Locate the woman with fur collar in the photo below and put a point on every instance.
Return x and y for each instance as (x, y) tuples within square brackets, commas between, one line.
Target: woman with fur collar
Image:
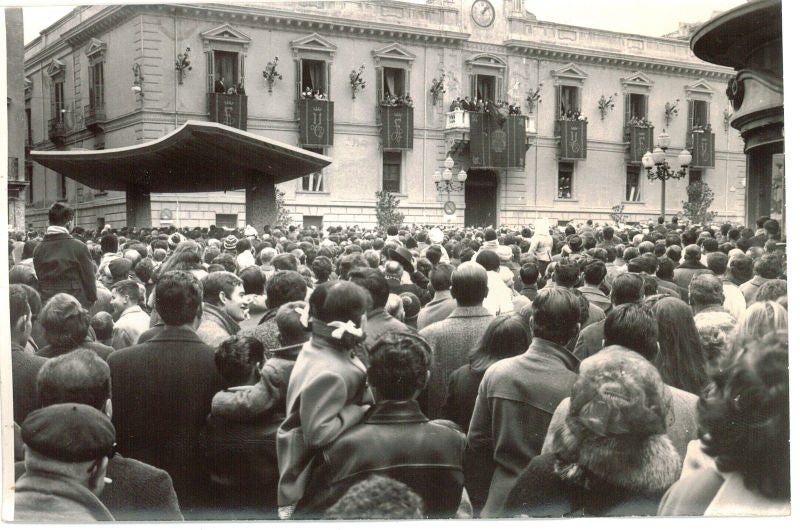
[(611, 454)]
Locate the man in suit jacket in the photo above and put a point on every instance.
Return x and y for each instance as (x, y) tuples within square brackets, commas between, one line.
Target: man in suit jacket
[(163, 389), (62, 263), (452, 338), (136, 491), (443, 302)]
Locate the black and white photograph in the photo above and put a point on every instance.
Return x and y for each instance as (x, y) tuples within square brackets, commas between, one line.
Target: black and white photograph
[(395, 260)]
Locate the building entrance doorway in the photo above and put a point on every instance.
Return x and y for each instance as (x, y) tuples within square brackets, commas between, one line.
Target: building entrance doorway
[(480, 198)]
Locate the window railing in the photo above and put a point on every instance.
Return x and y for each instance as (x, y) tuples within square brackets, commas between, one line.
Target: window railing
[(56, 130), (94, 114)]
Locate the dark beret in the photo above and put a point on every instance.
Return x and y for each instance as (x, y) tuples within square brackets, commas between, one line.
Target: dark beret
[(69, 432)]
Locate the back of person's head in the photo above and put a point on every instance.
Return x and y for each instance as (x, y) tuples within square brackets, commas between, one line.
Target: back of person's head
[(237, 359), (744, 418), (618, 394), (692, 253), (740, 268), (179, 298), (65, 322), (771, 291), (23, 274), (680, 358), (60, 214), (440, 276), (391, 230), (489, 234), (322, 267), (630, 253), (109, 243), (219, 282), (634, 327), (291, 320), (285, 286), (566, 273), (434, 254), (556, 315), (760, 319), (769, 266), (374, 282), (469, 284), (266, 255), (645, 247), (227, 261), (253, 280), (399, 365), (594, 272), (608, 233), (505, 336), (627, 288), (373, 258), (103, 325), (79, 376), (19, 308), (529, 274), (716, 330), (717, 263), (28, 248), (705, 289), (243, 245), (772, 227), (666, 269), (710, 245), (339, 301), (575, 243), (350, 262), (285, 262), (489, 260), (377, 497)]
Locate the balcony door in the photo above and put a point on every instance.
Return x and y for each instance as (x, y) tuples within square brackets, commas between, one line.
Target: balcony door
[(480, 198)]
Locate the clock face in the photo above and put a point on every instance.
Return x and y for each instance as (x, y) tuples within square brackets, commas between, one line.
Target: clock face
[(483, 13)]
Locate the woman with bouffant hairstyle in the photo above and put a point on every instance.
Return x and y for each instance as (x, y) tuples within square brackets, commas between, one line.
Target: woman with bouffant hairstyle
[(744, 427)]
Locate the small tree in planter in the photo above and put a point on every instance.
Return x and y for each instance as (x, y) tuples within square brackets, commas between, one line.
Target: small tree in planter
[(700, 197), (282, 216), (386, 210)]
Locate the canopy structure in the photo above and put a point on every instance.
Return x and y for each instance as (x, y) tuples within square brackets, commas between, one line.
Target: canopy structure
[(198, 156)]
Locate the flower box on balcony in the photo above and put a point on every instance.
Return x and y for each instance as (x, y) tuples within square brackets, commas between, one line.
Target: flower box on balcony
[(228, 109), (94, 116), (397, 127), (573, 139), (316, 122), (56, 130)]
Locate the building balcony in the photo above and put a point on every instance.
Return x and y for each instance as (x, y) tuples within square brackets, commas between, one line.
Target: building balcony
[(639, 140), (508, 140), (316, 122), (56, 130), (94, 116), (228, 109), (701, 142)]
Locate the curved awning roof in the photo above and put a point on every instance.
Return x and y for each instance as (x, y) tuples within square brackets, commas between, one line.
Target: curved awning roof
[(198, 156)]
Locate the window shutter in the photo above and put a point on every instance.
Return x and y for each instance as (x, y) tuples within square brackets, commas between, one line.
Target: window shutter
[(328, 80), (558, 102), (379, 73), (578, 100), (241, 69), (690, 115), (407, 81), (210, 70), (52, 99), (473, 85), (499, 93), (646, 107), (298, 67), (708, 113), (627, 108)]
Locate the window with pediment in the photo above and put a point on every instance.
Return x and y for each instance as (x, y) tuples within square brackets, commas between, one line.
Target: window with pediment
[(636, 90), (96, 53), (393, 71), (313, 55), (56, 71), (487, 74), (698, 99), (568, 89), (226, 49)]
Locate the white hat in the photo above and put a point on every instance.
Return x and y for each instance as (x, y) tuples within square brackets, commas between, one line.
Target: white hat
[(436, 235), (249, 231)]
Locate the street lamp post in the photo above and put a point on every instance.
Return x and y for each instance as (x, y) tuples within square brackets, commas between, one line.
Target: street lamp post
[(658, 168), (444, 179)]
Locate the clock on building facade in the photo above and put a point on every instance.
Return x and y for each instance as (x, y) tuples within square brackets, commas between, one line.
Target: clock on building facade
[(483, 13)]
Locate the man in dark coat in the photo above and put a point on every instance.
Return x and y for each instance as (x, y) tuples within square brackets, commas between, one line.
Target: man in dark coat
[(163, 389), (395, 438), (516, 400), (690, 267), (62, 263), (136, 491), (24, 366)]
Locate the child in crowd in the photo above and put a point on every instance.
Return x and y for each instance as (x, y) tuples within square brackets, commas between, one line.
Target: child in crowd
[(327, 391), (243, 403)]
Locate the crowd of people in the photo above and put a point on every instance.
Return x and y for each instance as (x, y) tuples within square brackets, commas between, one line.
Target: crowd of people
[(405, 372)]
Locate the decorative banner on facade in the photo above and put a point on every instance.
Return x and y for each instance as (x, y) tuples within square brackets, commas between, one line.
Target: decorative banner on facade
[(702, 149), (641, 139), (573, 139), (397, 127), (316, 122), (493, 144), (228, 109)]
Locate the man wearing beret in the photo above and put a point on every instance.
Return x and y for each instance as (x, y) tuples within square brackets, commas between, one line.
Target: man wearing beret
[(67, 451)]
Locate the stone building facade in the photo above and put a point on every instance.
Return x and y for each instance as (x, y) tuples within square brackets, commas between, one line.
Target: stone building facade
[(113, 76)]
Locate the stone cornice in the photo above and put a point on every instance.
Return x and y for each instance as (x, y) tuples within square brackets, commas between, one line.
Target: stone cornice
[(562, 53)]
